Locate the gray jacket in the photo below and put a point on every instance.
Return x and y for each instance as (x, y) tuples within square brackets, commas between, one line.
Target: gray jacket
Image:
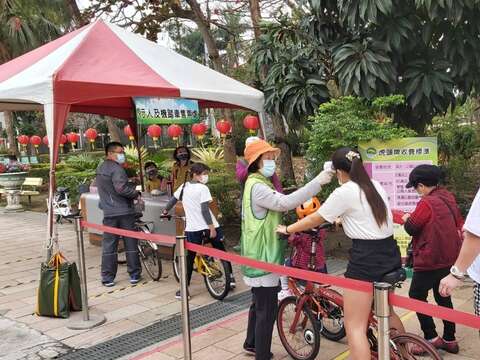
[(115, 191)]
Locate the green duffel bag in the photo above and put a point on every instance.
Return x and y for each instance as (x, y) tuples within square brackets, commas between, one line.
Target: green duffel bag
[(74, 294), (54, 289)]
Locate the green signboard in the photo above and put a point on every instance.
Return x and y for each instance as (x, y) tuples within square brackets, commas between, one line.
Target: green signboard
[(152, 110)]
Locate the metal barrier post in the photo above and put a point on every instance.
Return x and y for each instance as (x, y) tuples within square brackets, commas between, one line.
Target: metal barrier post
[(187, 345), (382, 312), (89, 320)]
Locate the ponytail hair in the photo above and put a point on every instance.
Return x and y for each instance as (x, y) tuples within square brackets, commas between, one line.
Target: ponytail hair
[(350, 161)]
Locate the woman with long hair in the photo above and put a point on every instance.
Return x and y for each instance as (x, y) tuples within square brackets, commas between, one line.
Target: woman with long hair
[(182, 157), (362, 205)]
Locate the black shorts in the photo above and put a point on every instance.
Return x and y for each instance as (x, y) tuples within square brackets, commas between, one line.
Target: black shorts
[(370, 260)]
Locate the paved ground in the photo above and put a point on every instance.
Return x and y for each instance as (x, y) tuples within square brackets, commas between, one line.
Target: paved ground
[(128, 308)]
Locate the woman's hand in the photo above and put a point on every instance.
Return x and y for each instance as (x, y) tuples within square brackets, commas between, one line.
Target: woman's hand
[(405, 217), (282, 229), (325, 177)]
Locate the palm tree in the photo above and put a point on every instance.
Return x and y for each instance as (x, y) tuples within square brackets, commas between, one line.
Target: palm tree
[(25, 25)]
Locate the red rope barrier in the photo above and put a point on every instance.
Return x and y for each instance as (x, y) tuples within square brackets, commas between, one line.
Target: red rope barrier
[(436, 311)]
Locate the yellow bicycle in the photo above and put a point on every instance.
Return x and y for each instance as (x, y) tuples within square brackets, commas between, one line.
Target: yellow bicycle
[(216, 273)]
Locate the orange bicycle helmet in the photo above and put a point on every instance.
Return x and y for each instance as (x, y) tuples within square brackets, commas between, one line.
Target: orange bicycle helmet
[(308, 207)]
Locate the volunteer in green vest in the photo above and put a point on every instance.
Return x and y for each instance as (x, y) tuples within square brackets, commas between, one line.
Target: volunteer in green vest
[(261, 214)]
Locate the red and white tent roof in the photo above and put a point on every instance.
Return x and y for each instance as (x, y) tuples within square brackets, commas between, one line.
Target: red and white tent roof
[(100, 67)]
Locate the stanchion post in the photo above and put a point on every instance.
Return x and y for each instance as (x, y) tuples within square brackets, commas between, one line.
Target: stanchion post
[(81, 264), (89, 321), (187, 346), (382, 312)]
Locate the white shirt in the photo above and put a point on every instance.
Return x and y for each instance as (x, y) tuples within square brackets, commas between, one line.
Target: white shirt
[(193, 196), (349, 203), (472, 225)]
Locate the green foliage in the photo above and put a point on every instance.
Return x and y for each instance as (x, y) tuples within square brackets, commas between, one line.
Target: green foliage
[(346, 122), (425, 50), (212, 157), (72, 179), (226, 190), (82, 162), (457, 135), (131, 153)]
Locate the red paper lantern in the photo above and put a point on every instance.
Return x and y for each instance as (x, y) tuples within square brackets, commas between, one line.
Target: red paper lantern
[(251, 123), (23, 139), (154, 131), (35, 140), (174, 131), (127, 130), (224, 127), (45, 140), (63, 139), (199, 130), (91, 134), (72, 137)]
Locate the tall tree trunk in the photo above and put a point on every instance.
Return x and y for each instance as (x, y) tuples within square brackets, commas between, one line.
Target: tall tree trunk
[(214, 56), (113, 129), (274, 122), (10, 129), (256, 16)]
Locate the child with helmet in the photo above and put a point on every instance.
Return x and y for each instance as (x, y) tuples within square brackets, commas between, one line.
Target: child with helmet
[(301, 244)]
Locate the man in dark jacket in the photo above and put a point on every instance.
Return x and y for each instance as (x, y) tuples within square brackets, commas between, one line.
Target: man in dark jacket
[(435, 226), (116, 200)]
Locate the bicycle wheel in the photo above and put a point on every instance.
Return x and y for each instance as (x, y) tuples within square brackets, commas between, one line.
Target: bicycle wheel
[(218, 279), (332, 325), (176, 264), (403, 345), (150, 259), (304, 342)]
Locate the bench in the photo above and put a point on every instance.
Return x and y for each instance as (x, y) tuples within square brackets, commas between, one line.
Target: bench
[(31, 183)]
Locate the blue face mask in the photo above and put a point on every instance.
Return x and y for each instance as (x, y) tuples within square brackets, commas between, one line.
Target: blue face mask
[(120, 158), (268, 168)]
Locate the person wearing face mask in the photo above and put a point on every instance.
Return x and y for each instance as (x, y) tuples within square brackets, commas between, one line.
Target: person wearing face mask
[(363, 207), (435, 226), (117, 197), (182, 164), (155, 183), (262, 208), (200, 221)]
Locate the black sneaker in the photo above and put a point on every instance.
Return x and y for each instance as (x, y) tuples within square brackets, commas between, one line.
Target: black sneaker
[(179, 297), (108, 283), (135, 280), (251, 351)]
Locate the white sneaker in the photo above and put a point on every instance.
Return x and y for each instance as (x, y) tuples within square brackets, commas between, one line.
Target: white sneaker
[(284, 294)]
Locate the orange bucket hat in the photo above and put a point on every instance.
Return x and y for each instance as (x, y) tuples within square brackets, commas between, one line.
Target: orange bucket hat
[(257, 148)]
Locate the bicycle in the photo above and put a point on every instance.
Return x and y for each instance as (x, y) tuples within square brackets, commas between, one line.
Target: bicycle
[(148, 250), (303, 317), (215, 272), (61, 206)]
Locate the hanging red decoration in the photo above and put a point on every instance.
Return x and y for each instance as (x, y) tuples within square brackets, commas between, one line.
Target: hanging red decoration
[(154, 131), (199, 130), (224, 127), (23, 140), (63, 141), (127, 130), (174, 131), (251, 123), (36, 140), (45, 140), (91, 134), (73, 139)]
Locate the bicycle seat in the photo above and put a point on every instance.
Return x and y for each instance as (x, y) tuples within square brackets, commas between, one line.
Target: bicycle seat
[(62, 189), (394, 277)]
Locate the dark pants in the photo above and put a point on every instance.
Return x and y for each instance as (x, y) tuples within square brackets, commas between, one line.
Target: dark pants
[(261, 318), (110, 246), (422, 283), (199, 238)]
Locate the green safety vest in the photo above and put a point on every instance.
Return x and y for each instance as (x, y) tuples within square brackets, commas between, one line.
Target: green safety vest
[(259, 239)]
